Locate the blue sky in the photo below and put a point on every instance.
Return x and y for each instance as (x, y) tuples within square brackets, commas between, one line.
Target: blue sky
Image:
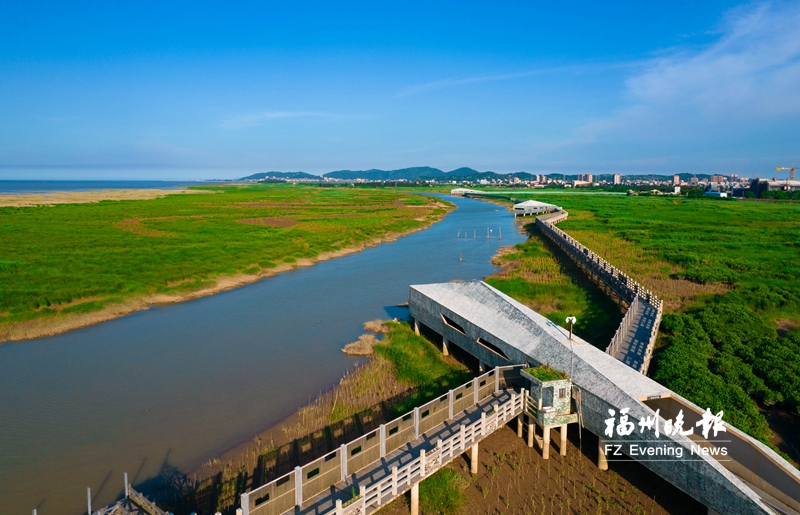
[(212, 90)]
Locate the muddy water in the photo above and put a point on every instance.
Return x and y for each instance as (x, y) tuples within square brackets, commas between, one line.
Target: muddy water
[(176, 385)]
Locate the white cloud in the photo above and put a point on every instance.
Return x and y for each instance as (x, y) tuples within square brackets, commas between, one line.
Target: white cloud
[(731, 103), (249, 120), (749, 77), (754, 66), (574, 69)]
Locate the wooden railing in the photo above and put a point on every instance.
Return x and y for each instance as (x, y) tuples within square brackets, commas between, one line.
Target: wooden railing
[(634, 295), (372, 497), (623, 328), (303, 483)]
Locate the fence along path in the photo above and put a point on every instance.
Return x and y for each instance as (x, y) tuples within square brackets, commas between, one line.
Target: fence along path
[(365, 474), (636, 336)]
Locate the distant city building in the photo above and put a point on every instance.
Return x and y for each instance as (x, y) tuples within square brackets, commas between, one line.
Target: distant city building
[(761, 185), (693, 181), (717, 179), (734, 177), (586, 177), (617, 178), (676, 180)]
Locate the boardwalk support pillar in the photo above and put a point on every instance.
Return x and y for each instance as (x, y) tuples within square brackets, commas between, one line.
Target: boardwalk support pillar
[(546, 444), (445, 350), (415, 499), (519, 425), (473, 462), (562, 448), (602, 463), (531, 431)]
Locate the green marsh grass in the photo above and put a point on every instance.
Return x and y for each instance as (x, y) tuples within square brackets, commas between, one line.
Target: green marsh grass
[(112, 251)]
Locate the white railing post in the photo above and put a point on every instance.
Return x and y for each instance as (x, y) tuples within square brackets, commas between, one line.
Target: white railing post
[(422, 460), (416, 423), (298, 486), (394, 481), (496, 379), (463, 438), (245, 504), (343, 459), (483, 423), (450, 396), (475, 389), (338, 507), (383, 440)]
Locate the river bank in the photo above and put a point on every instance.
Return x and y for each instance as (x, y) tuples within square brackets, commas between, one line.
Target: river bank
[(39, 328), (405, 370)]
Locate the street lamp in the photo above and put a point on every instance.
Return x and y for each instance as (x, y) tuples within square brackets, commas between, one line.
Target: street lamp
[(571, 320)]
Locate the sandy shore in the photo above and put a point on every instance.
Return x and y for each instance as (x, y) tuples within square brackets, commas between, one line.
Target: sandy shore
[(29, 330), (82, 197)]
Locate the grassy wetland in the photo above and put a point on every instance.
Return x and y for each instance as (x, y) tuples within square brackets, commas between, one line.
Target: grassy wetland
[(729, 272), (70, 265)]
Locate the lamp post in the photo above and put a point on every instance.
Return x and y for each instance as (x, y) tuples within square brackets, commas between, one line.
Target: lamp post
[(571, 320)]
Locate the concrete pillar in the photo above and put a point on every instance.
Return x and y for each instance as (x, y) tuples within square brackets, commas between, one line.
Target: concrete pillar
[(445, 350), (519, 426), (416, 327), (563, 445), (546, 444), (415, 499), (602, 463), (531, 432), (473, 462)]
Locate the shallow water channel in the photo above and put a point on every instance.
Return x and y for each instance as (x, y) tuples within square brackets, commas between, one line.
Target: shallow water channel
[(179, 384)]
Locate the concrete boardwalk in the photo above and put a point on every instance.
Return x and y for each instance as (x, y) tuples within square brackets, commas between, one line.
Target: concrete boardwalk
[(382, 469), (634, 346)]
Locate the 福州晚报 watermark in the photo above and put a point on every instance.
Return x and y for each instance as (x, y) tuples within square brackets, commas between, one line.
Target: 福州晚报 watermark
[(655, 449)]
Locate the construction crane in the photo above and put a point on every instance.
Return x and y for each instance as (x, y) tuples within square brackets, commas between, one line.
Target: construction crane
[(791, 171)]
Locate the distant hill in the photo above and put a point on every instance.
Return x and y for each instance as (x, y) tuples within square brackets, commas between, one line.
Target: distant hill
[(422, 173), (409, 174), (279, 175)]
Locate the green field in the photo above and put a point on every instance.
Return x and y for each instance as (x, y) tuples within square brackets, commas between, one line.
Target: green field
[(729, 272), (79, 258)]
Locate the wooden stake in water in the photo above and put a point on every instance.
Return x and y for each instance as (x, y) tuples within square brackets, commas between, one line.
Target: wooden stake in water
[(500, 230), (487, 233), (89, 500), (460, 258), (474, 234), (458, 235)]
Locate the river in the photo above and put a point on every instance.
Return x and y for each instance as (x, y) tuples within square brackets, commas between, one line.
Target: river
[(178, 384)]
